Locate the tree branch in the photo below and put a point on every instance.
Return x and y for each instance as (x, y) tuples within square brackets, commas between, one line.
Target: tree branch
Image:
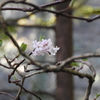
[(5, 93)]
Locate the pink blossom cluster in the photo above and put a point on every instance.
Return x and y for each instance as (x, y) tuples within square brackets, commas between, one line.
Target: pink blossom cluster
[(44, 46)]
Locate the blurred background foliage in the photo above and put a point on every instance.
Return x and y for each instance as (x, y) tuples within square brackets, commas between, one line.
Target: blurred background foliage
[(5, 39), (11, 29), (36, 20), (81, 9)]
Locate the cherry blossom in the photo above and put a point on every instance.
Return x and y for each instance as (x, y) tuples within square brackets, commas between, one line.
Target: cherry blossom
[(44, 46)]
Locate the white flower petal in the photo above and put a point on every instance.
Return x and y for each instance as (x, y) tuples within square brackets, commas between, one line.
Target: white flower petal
[(44, 46)]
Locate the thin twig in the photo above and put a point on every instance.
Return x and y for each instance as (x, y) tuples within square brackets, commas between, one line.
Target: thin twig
[(5, 93), (28, 91), (5, 66), (38, 72), (89, 65), (20, 89)]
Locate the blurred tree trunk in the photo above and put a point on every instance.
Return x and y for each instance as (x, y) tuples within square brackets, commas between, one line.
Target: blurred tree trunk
[(64, 41)]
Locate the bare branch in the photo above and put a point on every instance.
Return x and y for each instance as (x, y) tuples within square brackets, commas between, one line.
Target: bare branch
[(41, 8), (71, 59), (5, 66), (88, 90), (38, 72), (20, 89), (4, 93), (89, 65), (28, 91)]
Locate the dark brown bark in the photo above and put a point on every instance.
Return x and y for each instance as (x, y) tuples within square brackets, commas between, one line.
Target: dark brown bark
[(64, 41)]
